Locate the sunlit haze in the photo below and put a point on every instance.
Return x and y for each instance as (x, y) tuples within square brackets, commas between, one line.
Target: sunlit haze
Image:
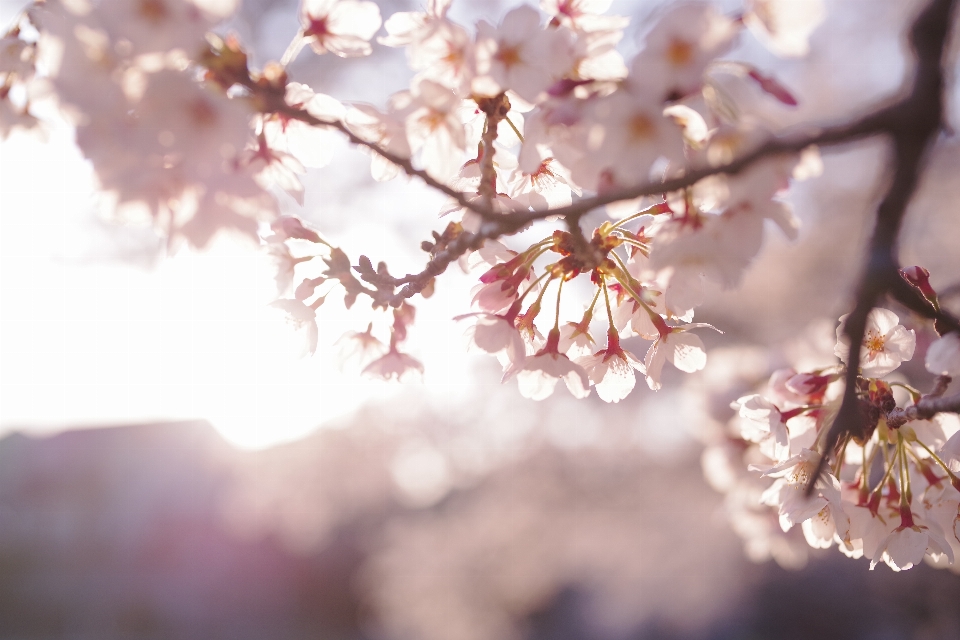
[(93, 335)]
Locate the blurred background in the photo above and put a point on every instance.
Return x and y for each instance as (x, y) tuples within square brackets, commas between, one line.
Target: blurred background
[(170, 467)]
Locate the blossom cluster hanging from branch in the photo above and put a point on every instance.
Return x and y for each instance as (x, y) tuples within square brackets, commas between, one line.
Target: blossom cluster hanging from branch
[(537, 122)]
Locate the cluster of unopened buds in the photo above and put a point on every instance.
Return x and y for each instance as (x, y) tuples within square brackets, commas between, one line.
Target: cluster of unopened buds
[(890, 492)]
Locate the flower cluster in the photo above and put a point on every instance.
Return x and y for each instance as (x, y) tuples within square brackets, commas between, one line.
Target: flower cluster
[(182, 132), (889, 492), (553, 110)]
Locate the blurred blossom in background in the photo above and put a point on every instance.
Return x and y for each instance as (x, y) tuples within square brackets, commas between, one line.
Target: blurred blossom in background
[(262, 495)]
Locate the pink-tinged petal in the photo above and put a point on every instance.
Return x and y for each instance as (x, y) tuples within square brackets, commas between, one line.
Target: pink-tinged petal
[(902, 342), (883, 319), (527, 81), (618, 380), (317, 8), (686, 351), (519, 24), (951, 449), (653, 362), (577, 383), (902, 549), (403, 28), (943, 356), (358, 18), (535, 384), (819, 529)]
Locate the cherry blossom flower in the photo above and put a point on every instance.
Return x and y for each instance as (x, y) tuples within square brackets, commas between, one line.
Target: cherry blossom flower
[(229, 201), (695, 130), (341, 27), (829, 525), (304, 318), (803, 388), (446, 56), (628, 135), (611, 370), (273, 168), (495, 297), (441, 50), (311, 146), (548, 186), (789, 492), (679, 347), (631, 318), (394, 365), (943, 356), (520, 55), (762, 422), (285, 264), (782, 393), (886, 343), (906, 545), (360, 348), (434, 129), (717, 247), (867, 528), (174, 151), (575, 339), (941, 508), (679, 47), (538, 376), (595, 55), (496, 334), (490, 254), (160, 25), (286, 227), (83, 64)]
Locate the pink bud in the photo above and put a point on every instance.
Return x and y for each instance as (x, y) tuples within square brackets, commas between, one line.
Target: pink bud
[(920, 278)]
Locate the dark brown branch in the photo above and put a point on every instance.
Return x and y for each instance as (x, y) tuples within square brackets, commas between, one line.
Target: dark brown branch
[(497, 224), (870, 124), (912, 299), (862, 127), (913, 126), (927, 407)]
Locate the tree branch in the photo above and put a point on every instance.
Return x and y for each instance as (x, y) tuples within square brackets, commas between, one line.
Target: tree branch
[(927, 407), (913, 126)]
